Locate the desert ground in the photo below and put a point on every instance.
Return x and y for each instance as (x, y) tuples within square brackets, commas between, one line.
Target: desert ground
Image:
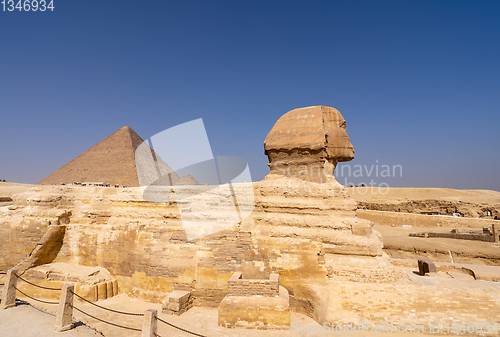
[(7, 190), (396, 194), (403, 250), (200, 320), (396, 239)]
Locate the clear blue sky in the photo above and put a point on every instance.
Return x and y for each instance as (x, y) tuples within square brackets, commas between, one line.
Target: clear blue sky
[(417, 81)]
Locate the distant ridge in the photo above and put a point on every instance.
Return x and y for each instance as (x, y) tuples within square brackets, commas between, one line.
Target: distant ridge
[(111, 161)]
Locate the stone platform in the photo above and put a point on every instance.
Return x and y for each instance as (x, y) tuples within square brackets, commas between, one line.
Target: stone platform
[(255, 304)]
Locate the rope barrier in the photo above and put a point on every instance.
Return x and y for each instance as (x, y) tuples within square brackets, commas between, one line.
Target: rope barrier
[(112, 310), (36, 285), (184, 330), (46, 302), (117, 325), (104, 308)]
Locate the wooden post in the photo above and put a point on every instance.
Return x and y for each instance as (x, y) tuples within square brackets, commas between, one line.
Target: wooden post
[(9, 290), (64, 319), (494, 229), (149, 327)]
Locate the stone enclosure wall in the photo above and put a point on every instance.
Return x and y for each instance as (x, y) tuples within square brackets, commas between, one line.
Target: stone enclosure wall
[(421, 220), (236, 286)]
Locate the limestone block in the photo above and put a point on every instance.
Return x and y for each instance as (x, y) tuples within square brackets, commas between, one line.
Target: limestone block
[(92, 283), (255, 312), (177, 302), (102, 291), (361, 230), (425, 267), (115, 287), (109, 289)]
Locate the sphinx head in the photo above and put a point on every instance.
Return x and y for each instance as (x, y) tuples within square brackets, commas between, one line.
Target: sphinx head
[(308, 143)]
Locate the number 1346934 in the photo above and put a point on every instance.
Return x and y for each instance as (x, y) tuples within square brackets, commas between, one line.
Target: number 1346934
[(27, 5)]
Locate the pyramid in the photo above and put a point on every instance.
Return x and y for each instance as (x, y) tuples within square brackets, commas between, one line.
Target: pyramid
[(111, 161), (187, 179)]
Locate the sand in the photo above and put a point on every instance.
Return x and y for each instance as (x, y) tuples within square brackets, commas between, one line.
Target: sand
[(13, 322), (7, 190), (397, 194)]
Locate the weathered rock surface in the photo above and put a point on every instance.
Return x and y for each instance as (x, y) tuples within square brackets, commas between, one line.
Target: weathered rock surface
[(467, 203), (7, 190), (91, 283), (49, 245)]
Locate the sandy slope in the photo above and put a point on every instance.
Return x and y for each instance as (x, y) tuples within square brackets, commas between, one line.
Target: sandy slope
[(396, 194), (9, 189)]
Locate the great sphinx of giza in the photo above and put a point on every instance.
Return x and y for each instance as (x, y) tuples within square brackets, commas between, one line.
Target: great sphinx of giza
[(306, 218), (303, 148)]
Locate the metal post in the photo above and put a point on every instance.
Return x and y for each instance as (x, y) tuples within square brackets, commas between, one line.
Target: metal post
[(149, 327), (9, 290), (64, 319)]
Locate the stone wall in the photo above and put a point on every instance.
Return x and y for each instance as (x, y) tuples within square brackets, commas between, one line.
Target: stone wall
[(432, 206), (420, 220), (236, 286), (18, 238), (255, 312), (144, 245), (255, 304), (459, 236)]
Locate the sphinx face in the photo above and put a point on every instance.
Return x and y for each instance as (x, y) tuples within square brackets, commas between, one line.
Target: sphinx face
[(338, 145)]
